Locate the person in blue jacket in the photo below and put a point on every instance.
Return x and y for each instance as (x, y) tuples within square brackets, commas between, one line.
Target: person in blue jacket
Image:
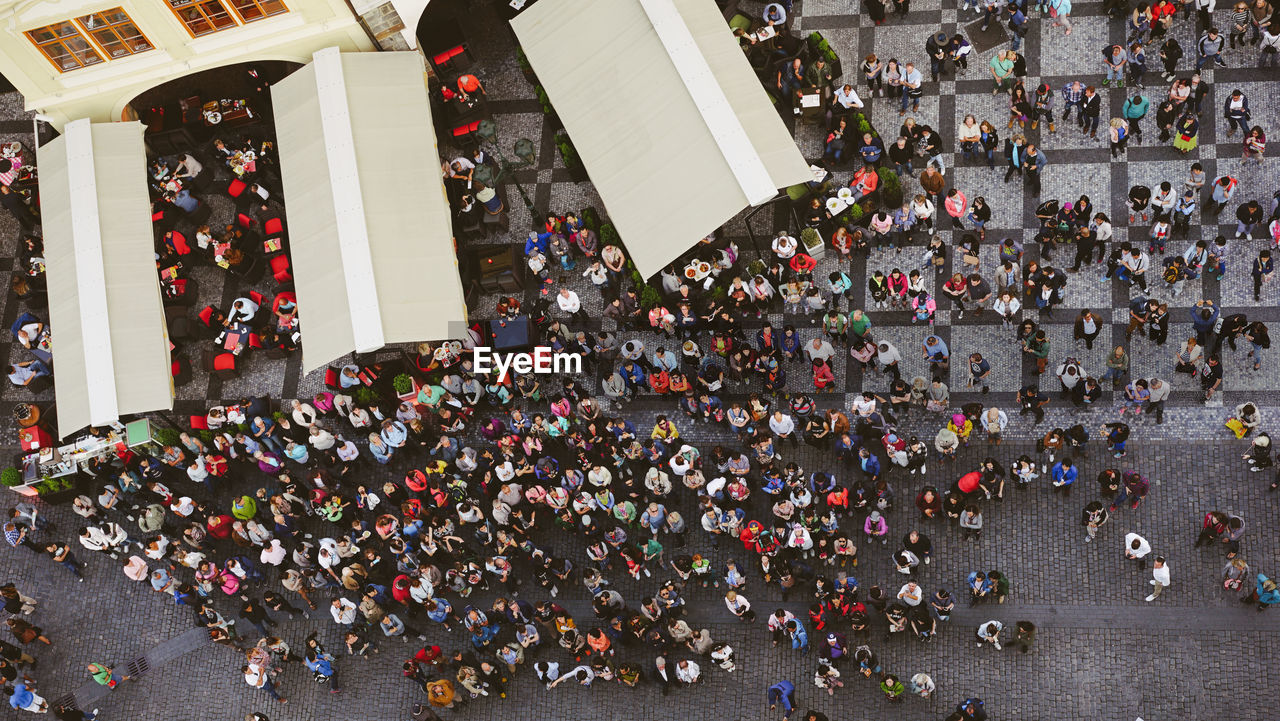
[(1064, 475), (1265, 593), (782, 692), (321, 664)]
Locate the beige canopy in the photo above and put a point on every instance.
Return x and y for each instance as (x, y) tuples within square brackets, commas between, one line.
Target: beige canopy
[(110, 345), (666, 113), (369, 224)]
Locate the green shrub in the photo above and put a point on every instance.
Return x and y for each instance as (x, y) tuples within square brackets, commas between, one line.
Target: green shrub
[(522, 60), (403, 383), (650, 298), (590, 218), (636, 278), (165, 436), (719, 293), (365, 396), (890, 187), (609, 236), (11, 477), (544, 100), (855, 213), (205, 436), (568, 153)]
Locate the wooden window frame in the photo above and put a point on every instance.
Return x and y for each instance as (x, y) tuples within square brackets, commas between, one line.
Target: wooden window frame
[(60, 41), (257, 4), (197, 5), (112, 27)]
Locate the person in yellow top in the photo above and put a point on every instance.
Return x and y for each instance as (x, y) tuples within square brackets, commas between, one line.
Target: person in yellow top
[(664, 430)]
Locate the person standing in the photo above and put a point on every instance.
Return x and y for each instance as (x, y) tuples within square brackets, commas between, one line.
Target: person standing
[(1136, 548), (1160, 577)]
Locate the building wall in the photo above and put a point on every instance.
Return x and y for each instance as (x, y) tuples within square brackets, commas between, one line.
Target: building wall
[(101, 92)]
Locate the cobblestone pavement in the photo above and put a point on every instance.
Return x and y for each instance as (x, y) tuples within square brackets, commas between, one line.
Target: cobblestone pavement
[(1102, 652)]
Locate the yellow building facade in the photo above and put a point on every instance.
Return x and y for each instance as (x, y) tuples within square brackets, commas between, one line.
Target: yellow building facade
[(75, 59)]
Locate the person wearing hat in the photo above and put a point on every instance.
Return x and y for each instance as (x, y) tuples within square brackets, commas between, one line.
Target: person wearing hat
[(876, 528), (936, 47), (1265, 593)]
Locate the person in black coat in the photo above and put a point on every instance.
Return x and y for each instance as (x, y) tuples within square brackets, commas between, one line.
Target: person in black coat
[(16, 205)]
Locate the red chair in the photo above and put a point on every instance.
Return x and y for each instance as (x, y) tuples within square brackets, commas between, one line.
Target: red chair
[(178, 242), (236, 188), (224, 365), (244, 220), (257, 297), (280, 269), (181, 371), (331, 379), (273, 227), (255, 341), (206, 315), (467, 131), (199, 423)]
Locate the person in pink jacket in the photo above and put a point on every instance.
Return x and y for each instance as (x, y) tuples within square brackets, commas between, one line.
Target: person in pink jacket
[(956, 205)]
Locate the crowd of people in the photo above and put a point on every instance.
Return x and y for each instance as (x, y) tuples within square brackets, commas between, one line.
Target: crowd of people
[(495, 495)]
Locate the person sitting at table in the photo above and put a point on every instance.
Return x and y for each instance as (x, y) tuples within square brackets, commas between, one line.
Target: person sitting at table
[(21, 374), (17, 205), (204, 237), (242, 311), (285, 306), (864, 182), (221, 151), (216, 417), (184, 200), (790, 81), (29, 335), (349, 377), (488, 197), (844, 101), (188, 167), (775, 15)]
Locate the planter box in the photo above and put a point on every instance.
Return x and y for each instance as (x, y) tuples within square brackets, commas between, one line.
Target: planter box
[(413, 393), (26, 489), (817, 252)]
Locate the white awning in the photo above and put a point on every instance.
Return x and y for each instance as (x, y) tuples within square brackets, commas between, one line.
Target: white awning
[(665, 112), (110, 345), (369, 224)]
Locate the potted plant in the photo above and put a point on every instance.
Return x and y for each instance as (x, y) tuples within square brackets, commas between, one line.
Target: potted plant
[(591, 218), (56, 490), (365, 396), (813, 244), (11, 477), (406, 387), (890, 188), (609, 236)]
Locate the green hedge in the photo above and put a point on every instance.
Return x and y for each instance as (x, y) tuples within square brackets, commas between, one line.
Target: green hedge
[(568, 153), (544, 100), (590, 218)]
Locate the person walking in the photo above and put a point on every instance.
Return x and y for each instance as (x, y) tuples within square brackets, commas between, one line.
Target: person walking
[(1160, 577)]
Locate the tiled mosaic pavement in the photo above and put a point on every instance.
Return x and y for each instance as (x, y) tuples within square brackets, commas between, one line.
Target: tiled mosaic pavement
[(1102, 652)]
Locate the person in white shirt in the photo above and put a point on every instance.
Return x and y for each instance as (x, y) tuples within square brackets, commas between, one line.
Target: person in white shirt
[(911, 92), (582, 674), (688, 672), (1159, 394), (819, 349), (242, 311), (1136, 547), (783, 426), (989, 633), (1160, 573), (569, 303), (784, 246), (343, 611), (910, 594)]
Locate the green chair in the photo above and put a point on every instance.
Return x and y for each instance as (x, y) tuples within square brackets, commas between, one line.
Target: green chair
[(740, 21)]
